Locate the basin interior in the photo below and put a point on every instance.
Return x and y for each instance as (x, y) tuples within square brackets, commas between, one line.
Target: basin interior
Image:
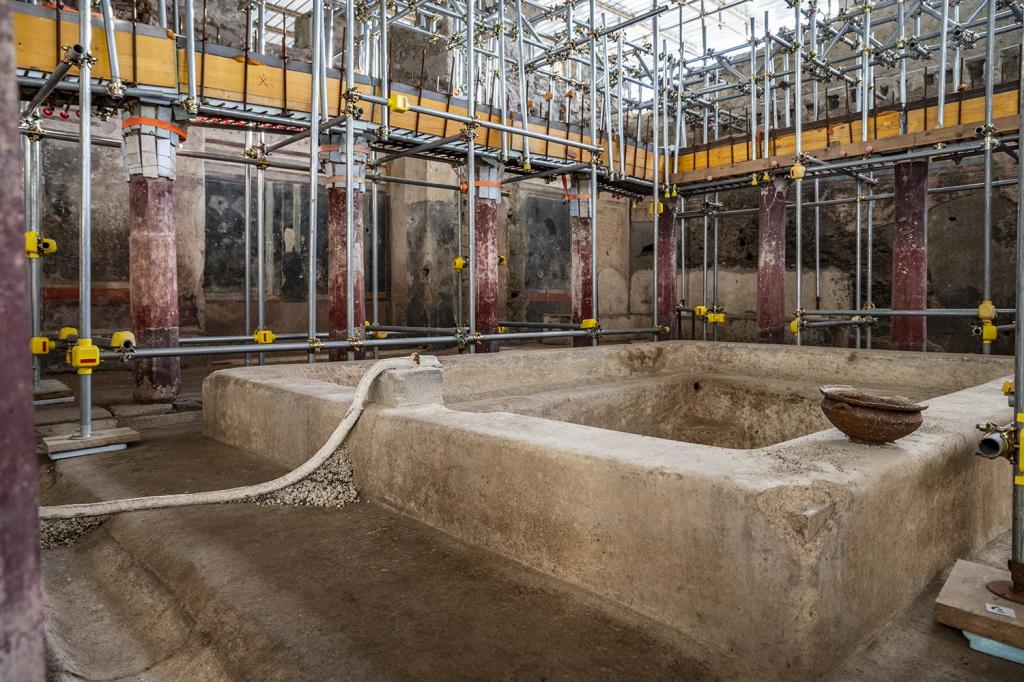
[(740, 412)]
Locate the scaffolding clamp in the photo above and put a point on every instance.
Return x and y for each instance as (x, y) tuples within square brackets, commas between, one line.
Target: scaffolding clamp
[(715, 315), (123, 341), (263, 336), (36, 246), (85, 356), (77, 58), (40, 345), (589, 323), (397, 102), (798, 322), (459, 264), (375, 334), (259, 154), (315, 344), (34, 131), (987, 331)]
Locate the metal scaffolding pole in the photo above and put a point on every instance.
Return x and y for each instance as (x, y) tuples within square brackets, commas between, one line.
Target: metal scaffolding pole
[(314, 166), (261, 197), (1016, 563), (471, 164), (594, 284), (798, 136), (30, 147), (85, 219), (656, 207), (350, 195), (940, 112), (990, 67)]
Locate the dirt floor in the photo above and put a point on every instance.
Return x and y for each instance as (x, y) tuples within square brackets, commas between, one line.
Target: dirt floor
[(244, 591)]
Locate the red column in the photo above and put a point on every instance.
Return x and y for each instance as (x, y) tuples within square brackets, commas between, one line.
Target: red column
[(771, 262), (668, 263), (21, 594), (153, 267), (337, 268), (335, 167), (910, 255), (488, 204), (487, 304), (581, 278)]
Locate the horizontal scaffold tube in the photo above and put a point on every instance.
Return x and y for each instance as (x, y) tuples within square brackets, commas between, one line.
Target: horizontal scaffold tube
[(886, 312), (324, 346), (512, 130)]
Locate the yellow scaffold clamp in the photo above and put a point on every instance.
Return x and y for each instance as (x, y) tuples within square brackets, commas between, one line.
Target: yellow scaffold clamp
[(459, 264), (661, 207), (701, 312), (374, 334), (798, 322), (987, 314), (122, 340), (797, 171), (36, 246), (589, 323), (398, 103), (85, 356), (66, 333), (40, 345), (716, 315), (263, 336)]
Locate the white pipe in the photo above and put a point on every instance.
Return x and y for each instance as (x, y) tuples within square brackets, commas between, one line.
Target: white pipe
[(247, 492)]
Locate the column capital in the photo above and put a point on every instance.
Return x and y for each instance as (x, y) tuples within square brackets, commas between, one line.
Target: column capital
[(150, 139), (332, 154), (578, 195), (488, 178)]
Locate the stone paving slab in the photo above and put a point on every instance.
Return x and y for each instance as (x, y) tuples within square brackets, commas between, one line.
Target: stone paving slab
[(125, 410), (45, 416)]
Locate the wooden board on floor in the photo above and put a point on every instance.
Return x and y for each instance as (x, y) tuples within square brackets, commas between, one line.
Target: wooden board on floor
[(966, 604), (55, 445)]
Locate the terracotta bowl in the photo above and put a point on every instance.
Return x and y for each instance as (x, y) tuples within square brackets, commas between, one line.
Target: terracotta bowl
[(867, 418)]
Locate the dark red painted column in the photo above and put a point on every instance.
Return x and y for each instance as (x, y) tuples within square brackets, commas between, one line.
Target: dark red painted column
[(21, 594), (488, 300), (153, 259), (581, 277), (910, 255), (337, 268), (487, 304), (335, 166), (668, 263), (771, 262)]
